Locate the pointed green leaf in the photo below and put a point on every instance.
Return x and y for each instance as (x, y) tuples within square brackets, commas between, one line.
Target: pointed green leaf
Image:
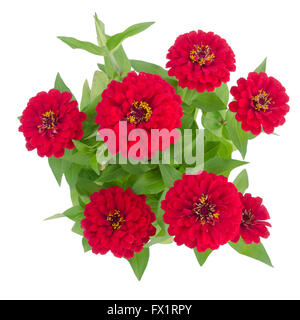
[(139, 263), (114, 41), (100, 30), (255, 251), (241, 181), (237, 135), (149, 183), (220, 166), (77, 228), (86, 246), (169, 174), (61, 86), (75, 213), (86, 95), (202, 256), (84, 45), (71, 174), (262, 67), (208, 102), (100, 82), (56, 216), (58, 167)]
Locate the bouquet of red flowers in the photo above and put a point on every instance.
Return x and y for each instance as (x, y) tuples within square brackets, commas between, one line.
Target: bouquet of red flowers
[(141, 169)]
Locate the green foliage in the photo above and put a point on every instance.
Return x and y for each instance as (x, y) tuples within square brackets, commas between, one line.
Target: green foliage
[(202, 256), (114, 41), (221, 166), (237, 135), (262, 67), (87, 169), (241, 181), (84, 45), (254, 251), (139, 262)]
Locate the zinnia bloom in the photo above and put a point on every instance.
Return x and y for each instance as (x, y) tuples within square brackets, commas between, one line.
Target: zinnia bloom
[(261, 102), (203, 211), (143, 101), (119, 221), (50, 122), (253, 224), (201, 61)]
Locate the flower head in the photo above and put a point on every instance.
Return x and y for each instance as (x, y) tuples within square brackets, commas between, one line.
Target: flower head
[(50, 122), (203, 211), (143, 101), (260, 102), (253, 225), (201, 61), (119, 221)]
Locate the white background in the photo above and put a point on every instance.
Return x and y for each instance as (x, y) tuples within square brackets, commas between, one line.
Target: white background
[(40, 260)]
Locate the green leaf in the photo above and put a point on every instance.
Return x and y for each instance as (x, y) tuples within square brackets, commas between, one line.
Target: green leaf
[(100, 30), (169, 174), (61, 86), (211, 149), (77, 228), (139, 263), (100, 82), (84, 45), (237, 135), (136, 168), (75, 213), (71, 174), (220, 166), (56, 216), (149, 183), (86, 187), (112, 173), (255, 251), (143, 66), (262, 67), (160, 212), (80, 158), (241, 181), (121, 60), (86, 246), (202, 256), (58, 167), (223, 93), (213, 122), (114, 41), (208, 102), (86, 95), (162, 237)]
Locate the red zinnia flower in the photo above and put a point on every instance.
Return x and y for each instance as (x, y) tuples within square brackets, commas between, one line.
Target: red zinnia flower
[(204, 211), (50, 122), (261, 101), (201, 61), (253, 225), (119, 221), (143, 101)]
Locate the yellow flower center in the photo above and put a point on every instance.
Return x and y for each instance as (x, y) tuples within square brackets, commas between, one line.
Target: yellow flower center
[(115, 219), (49, 122), (262, 101), (205, 211), (140, 111), (202, 55)]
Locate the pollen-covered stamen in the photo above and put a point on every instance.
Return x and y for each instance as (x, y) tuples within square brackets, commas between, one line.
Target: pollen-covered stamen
[(202, 54), (262, 101), (140, 111), (49, 122), (115, 219), (247, 218), (205, 211)]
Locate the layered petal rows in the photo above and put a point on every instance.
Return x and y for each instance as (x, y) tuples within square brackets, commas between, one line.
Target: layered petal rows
[(50, 122)]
